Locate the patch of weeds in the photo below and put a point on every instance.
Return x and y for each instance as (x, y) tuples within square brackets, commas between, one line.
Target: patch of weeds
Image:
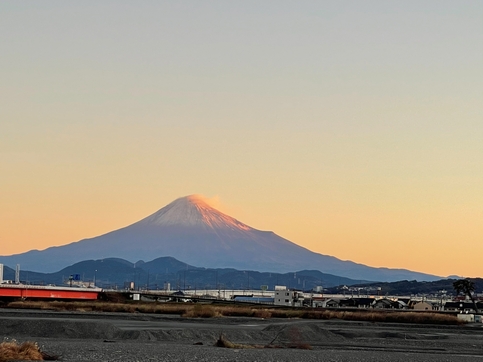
[(201, 311), (26, 351), (225, 343)]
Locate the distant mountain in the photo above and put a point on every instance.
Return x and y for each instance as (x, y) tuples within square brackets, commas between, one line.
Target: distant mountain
[(115, 272), (438, 288), (107, 272), (189, 229)]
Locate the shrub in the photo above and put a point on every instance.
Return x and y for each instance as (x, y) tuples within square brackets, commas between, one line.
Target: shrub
[(27, 351), (262, 313), (201, 311), (225, 343)]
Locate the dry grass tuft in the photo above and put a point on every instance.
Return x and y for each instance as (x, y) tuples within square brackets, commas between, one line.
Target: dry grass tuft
[(262, 313), (27, 351), (201, 311), (236, 311), (225, 343)]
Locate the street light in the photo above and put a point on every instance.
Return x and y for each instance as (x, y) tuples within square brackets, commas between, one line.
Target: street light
[(95, 272)]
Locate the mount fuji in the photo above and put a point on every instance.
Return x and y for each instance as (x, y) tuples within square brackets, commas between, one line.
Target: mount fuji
[(190, 230)]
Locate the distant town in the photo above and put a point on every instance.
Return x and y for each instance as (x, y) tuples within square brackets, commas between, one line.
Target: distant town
[(367, 296)]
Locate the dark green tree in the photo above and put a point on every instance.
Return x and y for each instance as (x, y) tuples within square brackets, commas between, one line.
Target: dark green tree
[(466, 287)]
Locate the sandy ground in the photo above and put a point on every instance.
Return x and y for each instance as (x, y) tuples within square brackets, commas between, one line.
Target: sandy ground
[(142, 337)]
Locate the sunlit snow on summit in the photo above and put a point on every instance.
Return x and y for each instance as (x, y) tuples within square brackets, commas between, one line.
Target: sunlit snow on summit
[(193, 210)]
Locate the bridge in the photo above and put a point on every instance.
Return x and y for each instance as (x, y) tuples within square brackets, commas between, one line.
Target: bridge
[(23, 291)]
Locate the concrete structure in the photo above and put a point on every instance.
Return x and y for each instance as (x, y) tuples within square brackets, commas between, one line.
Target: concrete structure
[(252, 299), (422, 306), (289, 298), (356, 302), (17, 274), (129, 285), (1, 273), (385, 303), (469, 318), (318, 302), (324, 302)]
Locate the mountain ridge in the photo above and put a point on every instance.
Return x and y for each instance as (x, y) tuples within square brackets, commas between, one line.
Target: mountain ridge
[(189, 229), (114, 273)]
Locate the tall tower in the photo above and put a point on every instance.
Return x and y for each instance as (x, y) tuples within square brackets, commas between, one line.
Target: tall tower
[(1, 273), (17, 274)]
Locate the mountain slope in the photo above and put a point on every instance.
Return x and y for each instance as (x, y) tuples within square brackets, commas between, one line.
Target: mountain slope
[(116, 273), (189, 229)]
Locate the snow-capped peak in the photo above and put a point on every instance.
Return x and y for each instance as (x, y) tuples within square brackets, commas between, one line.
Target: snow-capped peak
[(193, 210)]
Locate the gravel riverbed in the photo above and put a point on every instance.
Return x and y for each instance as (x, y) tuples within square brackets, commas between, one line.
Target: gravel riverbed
[(77, 336)]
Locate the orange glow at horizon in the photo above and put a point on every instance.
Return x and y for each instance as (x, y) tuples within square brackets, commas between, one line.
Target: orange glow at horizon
[(369, 240)]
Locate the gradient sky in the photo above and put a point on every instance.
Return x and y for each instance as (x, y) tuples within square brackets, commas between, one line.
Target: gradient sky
[(353, 128)]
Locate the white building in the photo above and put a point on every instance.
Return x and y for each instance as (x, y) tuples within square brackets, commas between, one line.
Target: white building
[(289, 298)]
